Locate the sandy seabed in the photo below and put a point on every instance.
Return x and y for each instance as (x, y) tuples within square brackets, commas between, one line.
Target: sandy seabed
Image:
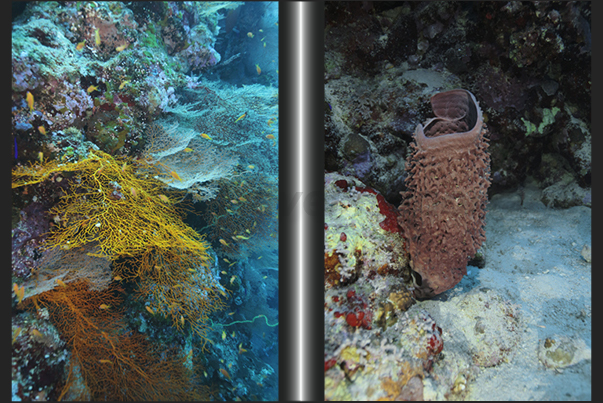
[(525, 317)]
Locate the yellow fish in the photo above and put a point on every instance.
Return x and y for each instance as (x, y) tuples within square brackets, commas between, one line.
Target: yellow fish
[(192, 270), (122, 47), (151, 311), (42, 130), (223, 371), (133, 191), (182, 320), (37, 333), (241, 349), (205, 136), (104, 306), (264, 44), (223, 272), (251, 166), (175, 175), (105, 361), (232, 279), (19, 292), (233, 201), (233, 335), (61, 282), (30, 101), (257, 68), (223, 242), (164, 198), (97, 37), (232, 264), (259, 258), (270, 136), (188, 150), (241, 198), (242, 237), (241, 117), (231, 313), (250, 34), (123, 84), (41, 156), (92, 88), (16, 334), (223, 334), (117, 278), (80, 45)]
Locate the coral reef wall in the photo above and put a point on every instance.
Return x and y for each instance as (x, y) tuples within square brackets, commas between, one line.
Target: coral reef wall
[(528, 63)]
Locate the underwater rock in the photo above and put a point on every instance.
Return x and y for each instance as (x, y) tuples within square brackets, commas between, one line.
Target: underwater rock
[(443, 210), (561, 351)]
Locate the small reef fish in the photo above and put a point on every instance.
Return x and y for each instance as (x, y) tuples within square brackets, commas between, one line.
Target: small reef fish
[(42, 130), (251, 166), (223, 242), (133, 191), (105, 361), (250, 34), (232, 279), (151, 311), (257, 68), (242, 237), (37, 333), (19, 292), (182, 320), (241, 349), (92, 88), (223, 272), (232, 335), (104, 306), (270, 136), (30, 101), (223, 334), (97, 39), (241, 198), (41, 156), (16, 334), (61, 282), (205, 136), (223, 371), (117, 278), (188, 150), (264, 44), (241, 117), (233, 201), (164, 198), (80, 45), (175, 175), (122, 47), (123, 84)]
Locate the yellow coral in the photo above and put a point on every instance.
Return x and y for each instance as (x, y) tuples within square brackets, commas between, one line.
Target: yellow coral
[(119, 205)]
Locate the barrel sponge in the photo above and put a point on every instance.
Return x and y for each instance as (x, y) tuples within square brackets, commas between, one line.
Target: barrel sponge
[(443, 209)]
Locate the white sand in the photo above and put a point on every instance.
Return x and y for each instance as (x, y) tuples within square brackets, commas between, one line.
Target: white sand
[(534, 262)]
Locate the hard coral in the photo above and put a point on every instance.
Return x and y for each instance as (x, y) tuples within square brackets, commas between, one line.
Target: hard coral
[(443, 210)]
